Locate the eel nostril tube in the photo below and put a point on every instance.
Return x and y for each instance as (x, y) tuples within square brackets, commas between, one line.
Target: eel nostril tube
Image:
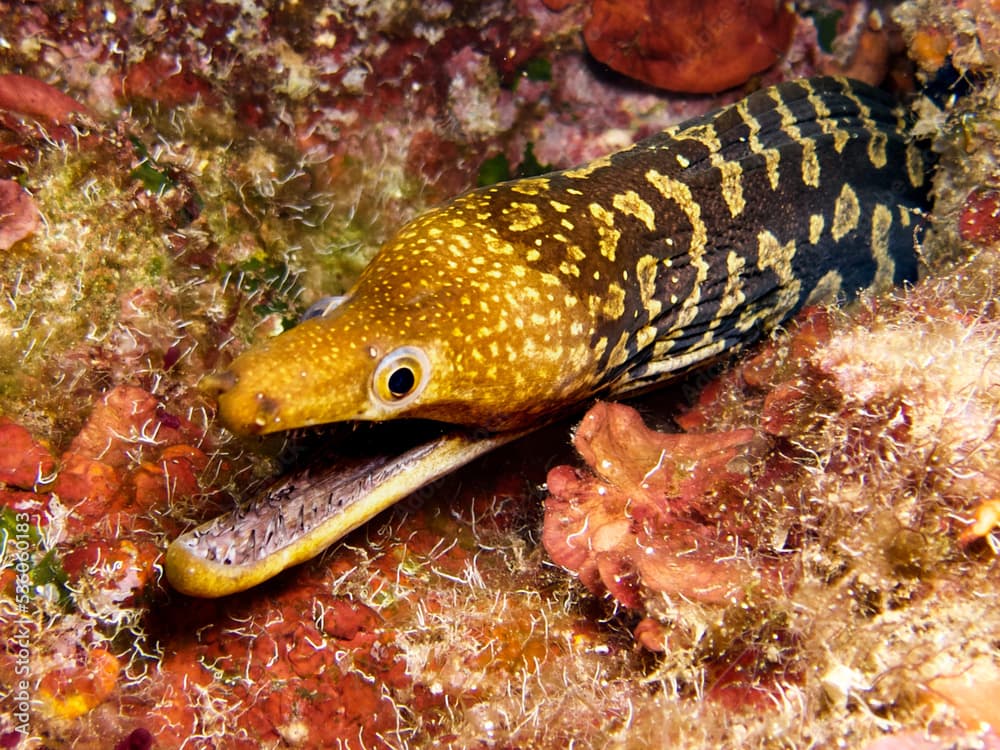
[(217, 383)]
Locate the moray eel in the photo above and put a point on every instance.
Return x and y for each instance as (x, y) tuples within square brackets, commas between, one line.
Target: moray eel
[(517, 303)]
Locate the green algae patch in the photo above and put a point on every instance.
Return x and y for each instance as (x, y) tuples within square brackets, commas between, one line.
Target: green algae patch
[(39, 571), (493, 170), (497, 168)]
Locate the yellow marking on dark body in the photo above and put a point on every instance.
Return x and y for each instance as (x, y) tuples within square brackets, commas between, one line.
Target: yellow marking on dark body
[(517, 303), (778, 258), (630, 204), (809, 160), (607, 233), (846, 212), (878, 139), (816, 224), (771, 156), (881, 227), (840, 136), (523, 216), (732, 184), (829, 287), (916, 165)]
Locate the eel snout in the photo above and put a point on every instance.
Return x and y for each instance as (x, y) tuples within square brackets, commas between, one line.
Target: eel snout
[(241, 415), (217, 383)]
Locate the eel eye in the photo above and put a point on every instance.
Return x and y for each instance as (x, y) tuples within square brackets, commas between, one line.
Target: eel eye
[(401, 376)]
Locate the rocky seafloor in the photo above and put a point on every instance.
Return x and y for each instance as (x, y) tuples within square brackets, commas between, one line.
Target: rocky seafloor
[(180, 181)]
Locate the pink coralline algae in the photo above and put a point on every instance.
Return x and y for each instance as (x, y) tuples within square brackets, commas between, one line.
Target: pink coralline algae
[(696, 46), (29, 96), (306, 670), (655, 513), (33, 113), (19, 217), (160, 79), (979, 222), (24, 461)]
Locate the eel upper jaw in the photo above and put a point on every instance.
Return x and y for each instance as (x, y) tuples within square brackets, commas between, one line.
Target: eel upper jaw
[(304, 513)]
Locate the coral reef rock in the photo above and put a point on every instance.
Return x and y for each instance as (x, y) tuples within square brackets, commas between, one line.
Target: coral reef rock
[(689, 45)]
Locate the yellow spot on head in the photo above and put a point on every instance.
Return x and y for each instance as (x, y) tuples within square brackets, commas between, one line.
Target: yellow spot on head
[(495, 245), (534, 186), (606, 230), (614, 302), (523, 216), (569, 269)]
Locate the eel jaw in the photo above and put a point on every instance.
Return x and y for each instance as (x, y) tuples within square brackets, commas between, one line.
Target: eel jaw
[(301, 515)]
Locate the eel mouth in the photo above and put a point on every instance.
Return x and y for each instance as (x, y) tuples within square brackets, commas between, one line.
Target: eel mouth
[(304, 512)]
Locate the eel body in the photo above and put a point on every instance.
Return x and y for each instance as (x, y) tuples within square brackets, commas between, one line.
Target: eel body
[(514, 304)]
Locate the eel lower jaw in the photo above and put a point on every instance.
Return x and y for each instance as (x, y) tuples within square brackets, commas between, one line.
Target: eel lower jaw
[(304, 513)]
